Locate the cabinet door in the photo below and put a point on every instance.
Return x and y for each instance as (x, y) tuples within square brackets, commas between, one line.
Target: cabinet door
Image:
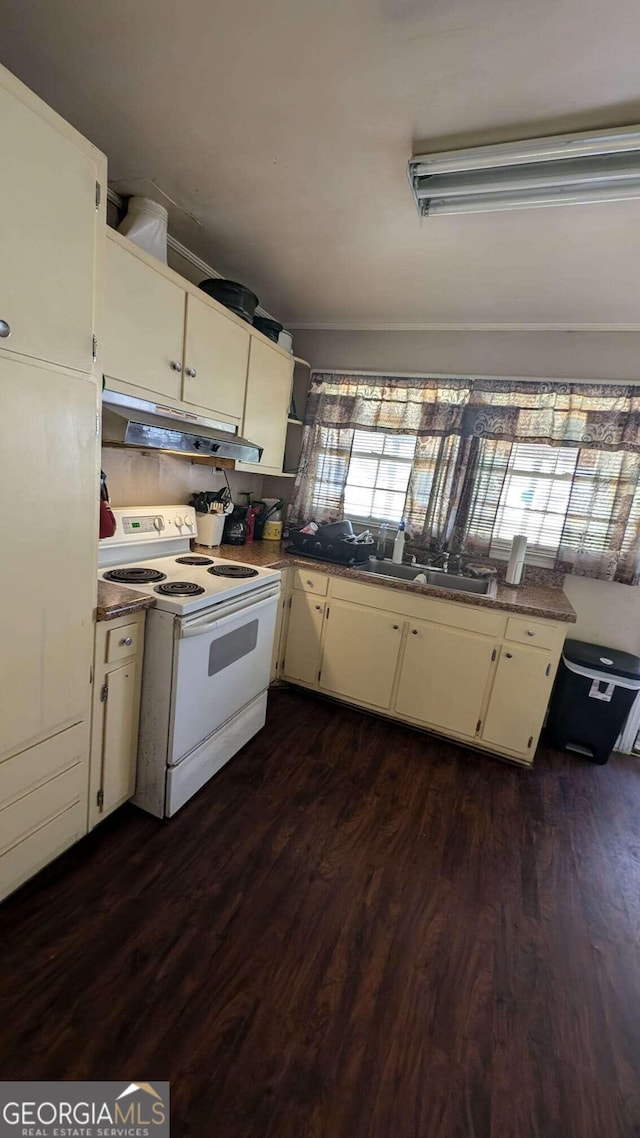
[(217, 350), (120, 740), (267, 404), (360, 653), (519, 698), (280, 634), (48, 226), (48, 499), (304, 635), (443, 677), (143, 325)]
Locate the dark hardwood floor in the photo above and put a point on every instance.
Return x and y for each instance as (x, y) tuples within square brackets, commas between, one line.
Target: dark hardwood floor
[(354, 931)]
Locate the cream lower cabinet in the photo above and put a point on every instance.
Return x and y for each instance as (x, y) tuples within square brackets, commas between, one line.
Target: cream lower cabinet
[(49, 464), (444, 676), (304, 638), (360, 653), (519, 697), (282, 622), (43, 803), (473, 673), (119, 649)]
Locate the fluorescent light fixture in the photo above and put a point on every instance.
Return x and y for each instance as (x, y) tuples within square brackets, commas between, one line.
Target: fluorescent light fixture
[(564, 170)]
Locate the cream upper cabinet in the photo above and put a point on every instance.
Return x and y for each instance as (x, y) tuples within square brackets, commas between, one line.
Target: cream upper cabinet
[(216, 357), (48, 234), (48, 422), (119, 646), (519, 698), (304, 635), (360, 653), (444, 676), (267, 404), (143, 324)]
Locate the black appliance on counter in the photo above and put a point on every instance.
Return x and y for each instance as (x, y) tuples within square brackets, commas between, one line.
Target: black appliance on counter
[(335, 542), (235, 526)]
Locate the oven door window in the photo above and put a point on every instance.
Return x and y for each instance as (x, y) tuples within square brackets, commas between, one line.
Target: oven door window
[(233, 646)]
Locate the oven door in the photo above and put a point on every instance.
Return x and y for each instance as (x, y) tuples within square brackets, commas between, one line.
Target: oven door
[(222, 660)]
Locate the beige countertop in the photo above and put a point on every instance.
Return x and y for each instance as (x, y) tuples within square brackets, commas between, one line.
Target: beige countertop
[(118, 600), (545, 601)]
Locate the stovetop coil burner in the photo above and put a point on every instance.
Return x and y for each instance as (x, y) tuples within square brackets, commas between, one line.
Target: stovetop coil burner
[(194, 560), (232, 571), (135, 575), (179, 589)]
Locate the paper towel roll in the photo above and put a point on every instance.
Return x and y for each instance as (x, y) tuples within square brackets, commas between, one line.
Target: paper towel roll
[(516, 560)]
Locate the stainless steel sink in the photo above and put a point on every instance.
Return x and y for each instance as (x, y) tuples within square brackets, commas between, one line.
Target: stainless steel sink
[(437, 577)]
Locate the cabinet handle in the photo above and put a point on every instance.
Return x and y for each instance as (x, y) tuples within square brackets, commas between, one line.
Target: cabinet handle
[(176, 365), (318, 608), (530, 632), (396, 627), (308, 582), (128, 641), (509, 655), (5, 330), (414, 631), (191, 372)]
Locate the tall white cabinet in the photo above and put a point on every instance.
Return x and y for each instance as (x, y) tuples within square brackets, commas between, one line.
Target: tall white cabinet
[(52, 193)]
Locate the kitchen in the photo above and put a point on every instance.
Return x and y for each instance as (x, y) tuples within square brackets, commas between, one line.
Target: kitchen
[(264, 740)]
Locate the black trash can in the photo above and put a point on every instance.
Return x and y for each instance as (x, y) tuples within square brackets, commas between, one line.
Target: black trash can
[(593, 695)]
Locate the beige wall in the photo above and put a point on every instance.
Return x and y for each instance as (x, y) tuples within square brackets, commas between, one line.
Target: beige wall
[(607, 613), (150, 478), (563, 355)]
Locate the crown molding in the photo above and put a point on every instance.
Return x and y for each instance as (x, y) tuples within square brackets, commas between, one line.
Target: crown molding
[(382, 326)]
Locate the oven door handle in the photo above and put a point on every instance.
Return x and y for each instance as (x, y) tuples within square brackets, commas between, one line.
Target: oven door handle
[(200, 626)]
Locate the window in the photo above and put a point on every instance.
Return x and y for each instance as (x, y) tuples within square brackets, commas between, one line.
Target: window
[(561, 498), (534, 498), (378, 476)]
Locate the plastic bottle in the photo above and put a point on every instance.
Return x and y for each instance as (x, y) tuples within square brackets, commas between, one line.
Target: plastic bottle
[(398, 545)]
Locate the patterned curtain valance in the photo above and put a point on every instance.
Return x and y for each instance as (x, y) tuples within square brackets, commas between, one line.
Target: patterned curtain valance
[(597, 416)]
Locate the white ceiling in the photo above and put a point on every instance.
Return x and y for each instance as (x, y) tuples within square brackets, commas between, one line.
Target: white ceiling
[(285, 127)]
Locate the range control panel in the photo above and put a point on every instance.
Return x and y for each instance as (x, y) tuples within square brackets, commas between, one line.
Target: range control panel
[(144, 523), (160, 525)]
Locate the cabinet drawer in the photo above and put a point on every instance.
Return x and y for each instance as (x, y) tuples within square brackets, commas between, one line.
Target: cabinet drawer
[(310, 582), (41, 763), (30, 855), (40, 806), (122, 642), (532, 632)]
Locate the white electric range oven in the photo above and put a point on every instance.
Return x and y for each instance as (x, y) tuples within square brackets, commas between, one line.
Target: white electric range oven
[(208, 647)]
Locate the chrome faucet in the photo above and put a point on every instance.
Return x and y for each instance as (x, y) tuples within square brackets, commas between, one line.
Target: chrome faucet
[(382, 541)]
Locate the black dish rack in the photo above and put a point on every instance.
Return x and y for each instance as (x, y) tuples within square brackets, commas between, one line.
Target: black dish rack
[(334, 546)]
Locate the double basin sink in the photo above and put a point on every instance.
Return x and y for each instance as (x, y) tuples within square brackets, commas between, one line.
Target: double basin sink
[(439, 577)]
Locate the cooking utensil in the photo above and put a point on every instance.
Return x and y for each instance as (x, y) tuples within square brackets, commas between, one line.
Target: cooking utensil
[(233, 295), (270, 328)]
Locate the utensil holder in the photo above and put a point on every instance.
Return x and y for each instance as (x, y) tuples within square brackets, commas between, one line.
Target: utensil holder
[(210, 528)]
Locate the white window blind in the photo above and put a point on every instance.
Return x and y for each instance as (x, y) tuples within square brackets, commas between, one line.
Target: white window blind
[(331, 468), (534, 498), (378, 477)]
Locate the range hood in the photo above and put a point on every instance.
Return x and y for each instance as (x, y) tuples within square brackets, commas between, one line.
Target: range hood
[(131, 422)]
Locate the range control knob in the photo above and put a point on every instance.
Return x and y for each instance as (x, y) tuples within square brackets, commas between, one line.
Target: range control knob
[(179, 522)]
